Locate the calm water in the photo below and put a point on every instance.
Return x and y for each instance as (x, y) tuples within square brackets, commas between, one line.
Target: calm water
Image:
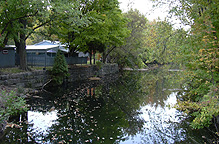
[(132, 108)]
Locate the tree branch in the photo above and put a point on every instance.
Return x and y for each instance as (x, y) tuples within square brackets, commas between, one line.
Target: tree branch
[(110, 51), (11, 20), (37, 28)]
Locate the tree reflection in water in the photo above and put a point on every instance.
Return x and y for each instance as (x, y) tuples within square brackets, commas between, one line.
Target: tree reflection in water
[(119, 109)]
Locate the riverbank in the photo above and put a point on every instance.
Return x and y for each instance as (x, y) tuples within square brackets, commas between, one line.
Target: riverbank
[(135, 101), (37, 78), (12, 102), (25, 84)]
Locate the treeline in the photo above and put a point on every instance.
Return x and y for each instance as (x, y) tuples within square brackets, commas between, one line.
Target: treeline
[(199, 54), (129, 39)]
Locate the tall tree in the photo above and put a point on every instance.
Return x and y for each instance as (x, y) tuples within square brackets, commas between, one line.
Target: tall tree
[(106, 26), (21, 18), (129, 53), (162, 42), (200, 55)]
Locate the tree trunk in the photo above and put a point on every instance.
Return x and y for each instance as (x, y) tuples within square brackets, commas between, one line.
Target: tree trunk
[(21, 47), (21, 51), (106, 53), (104, 57), (94, 58), (90, 58), (23, 54)]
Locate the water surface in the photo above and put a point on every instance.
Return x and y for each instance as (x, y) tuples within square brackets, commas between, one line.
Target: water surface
[(132, 108)]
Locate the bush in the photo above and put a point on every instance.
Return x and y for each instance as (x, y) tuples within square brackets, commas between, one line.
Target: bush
[(99, 64), (60, 69), (10, 104)]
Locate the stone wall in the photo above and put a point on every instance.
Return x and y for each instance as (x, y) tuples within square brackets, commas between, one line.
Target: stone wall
[(38, 78), (25, 79), (83, 73)]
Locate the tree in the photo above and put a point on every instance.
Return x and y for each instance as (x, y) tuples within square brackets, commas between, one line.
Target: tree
[(60, 69), (200, 55), (128, 54), (106, 26), (162, 43), (19, 19)]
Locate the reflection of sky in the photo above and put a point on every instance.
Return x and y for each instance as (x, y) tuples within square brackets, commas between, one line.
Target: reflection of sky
[(160, 124), (41, 122)]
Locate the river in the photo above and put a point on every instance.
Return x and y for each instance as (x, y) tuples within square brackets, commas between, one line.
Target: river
[(132, 107)]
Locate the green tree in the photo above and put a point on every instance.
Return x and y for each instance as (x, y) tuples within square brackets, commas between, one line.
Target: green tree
[(20, 18), (200, 55), (129, 53), (162, 43), (11, 104), (60, 69), (106, 27), (18, 21)]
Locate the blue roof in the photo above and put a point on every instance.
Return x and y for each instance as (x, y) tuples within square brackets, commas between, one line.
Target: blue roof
[(45, 42)]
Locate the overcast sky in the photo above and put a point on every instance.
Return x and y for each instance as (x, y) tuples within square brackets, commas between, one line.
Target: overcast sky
[(145, 7)]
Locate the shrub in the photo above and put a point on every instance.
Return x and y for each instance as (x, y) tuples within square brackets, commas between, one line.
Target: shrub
[(99, 64), (10, 104), (60, 69)]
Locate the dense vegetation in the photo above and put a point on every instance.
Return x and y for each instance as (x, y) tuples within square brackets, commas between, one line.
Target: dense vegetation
[(60, 69), (10, 104), (198, 53), (129, 39)]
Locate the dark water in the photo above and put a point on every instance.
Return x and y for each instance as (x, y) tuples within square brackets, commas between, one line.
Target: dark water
[(132, 108)]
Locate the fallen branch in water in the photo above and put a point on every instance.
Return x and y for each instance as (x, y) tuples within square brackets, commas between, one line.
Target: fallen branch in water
[(45, 85)]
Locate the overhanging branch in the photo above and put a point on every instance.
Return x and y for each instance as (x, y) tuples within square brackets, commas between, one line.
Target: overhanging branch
[(11, 20)]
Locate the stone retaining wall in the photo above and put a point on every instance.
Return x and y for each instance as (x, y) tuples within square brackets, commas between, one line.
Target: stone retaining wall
[(38, 78), (25, 79)]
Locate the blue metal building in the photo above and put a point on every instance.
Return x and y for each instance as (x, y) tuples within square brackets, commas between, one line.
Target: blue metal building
[(7, 57)]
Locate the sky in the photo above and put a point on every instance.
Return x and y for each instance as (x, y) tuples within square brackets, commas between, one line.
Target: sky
[(145, 7)]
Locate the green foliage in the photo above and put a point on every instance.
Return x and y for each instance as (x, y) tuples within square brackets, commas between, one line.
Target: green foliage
[(204, 110), (11, 104), (99, 64), (200, 55), (105, 26), (129, 53), (60, 69), (148, 42), (162, 42), (21, 19)]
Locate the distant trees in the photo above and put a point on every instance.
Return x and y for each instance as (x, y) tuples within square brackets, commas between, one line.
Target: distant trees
[(129, 53), (162, 43), (155, 42), (78, 23), (199, 53)]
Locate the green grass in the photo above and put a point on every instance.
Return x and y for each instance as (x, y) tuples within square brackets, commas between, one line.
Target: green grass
[(10, 70), (17, 70), (40, 68)]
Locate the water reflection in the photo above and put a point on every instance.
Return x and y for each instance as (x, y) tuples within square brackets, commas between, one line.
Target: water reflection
[(132, 108), (160, 124)]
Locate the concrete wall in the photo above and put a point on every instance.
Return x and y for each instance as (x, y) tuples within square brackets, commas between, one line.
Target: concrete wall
[(36, 79)]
